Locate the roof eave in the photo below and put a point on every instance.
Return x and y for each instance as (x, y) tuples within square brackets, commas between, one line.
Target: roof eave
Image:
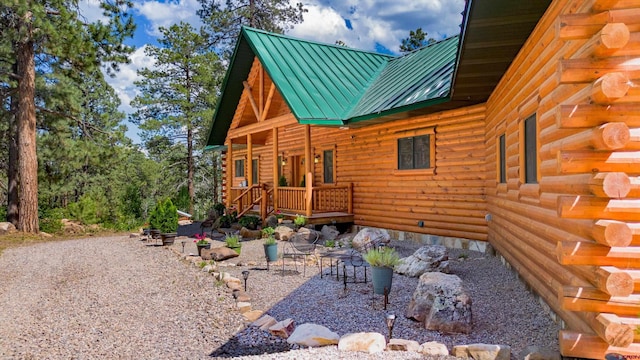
[(410, 107)]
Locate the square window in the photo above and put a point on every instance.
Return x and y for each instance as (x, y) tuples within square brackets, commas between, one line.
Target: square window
[(414, 152)]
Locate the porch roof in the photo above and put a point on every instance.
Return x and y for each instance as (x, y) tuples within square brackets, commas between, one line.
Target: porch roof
[(333, 85)]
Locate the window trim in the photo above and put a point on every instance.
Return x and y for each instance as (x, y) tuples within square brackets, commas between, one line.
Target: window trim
[(235, 168), (431, 131)]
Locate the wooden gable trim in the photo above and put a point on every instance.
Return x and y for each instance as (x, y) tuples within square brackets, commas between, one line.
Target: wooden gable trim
[(280, 121)]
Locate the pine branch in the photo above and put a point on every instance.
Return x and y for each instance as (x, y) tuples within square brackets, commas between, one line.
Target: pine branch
[(80, 123)]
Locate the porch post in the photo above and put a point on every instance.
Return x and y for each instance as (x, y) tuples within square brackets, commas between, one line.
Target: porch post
[(249, 174), (230, 170), (308, 160), (276, 166)]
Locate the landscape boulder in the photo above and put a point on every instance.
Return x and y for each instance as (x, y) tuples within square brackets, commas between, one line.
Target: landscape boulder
[(313, 335), (283, 233), (403, 345), (250, 234), (369, 238), (309, 234), (370, 342), (6, 227), (329, 232), (218, 253), (441, 303), (271, 221), (71, 227), (428, 258), (537, 353), (265, 322), (482, 352), (434, 348)]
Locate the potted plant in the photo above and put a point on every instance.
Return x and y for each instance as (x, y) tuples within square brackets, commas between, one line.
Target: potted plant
[(233, 242), (168, 221), (154, 221), (202, 243), (279, 216), (300, 221), (382, 263), (270, 249), (250, 222)]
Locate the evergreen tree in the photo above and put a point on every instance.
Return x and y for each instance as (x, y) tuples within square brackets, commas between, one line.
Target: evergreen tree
[(52, 37), (223, 20), (177, 96), (416, 40)]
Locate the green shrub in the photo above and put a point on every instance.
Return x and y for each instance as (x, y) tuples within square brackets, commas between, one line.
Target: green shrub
[(219, 208), (50, 220), (282, 181), (164, 217), (232, 241), (270, 240), (268, 231), (387, 257), (300, 220), (249, 221)]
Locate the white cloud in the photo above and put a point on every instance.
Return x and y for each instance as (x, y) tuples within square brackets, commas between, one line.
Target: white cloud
[(168, 13), (122, 83)]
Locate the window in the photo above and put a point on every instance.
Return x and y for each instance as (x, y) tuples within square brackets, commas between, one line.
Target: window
[(414, 152), (239, 168), (327, 166), (254, 170), (502, 159), (530, 151)]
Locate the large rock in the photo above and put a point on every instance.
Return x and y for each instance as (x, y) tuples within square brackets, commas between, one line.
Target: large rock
[(71, 227), (403, 345), (309, 234), (218, 253), (370, 342), (6, 227), (426, 259), (369, 238), (329, 232), (441, 303), (482, 352), (283, 233), (265, 322), (283, 328), (433, 348), (250, 234), (313, 335), (271, 221)]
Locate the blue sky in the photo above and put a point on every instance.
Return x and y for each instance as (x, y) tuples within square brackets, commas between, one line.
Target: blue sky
[(374, 25)]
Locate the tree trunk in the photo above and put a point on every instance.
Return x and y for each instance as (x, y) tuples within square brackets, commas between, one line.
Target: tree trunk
[(26, 120), (190, 169), (13, 181)]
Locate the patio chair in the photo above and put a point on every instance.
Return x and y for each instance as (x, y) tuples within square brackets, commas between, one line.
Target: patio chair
[(299, 245)]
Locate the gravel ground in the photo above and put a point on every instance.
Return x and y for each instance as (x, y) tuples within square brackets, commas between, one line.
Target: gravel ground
[(119, 298)]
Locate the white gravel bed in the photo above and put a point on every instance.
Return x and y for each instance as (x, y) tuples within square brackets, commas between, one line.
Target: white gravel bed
[(118, 298)]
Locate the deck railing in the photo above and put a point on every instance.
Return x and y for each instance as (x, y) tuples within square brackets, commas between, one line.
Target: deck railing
[(244, 198), (323, 199)]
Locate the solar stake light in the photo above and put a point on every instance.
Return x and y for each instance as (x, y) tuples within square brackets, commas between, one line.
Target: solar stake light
[(390, 318), (245, 276)]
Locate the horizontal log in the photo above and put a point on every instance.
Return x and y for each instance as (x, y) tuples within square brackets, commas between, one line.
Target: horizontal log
[(612, 37), (613, 281), (584, 253), (635, 276), (603, 5), (610, 87), (586, 207), (612, 233), (612, 330), (585, 25), (581, 161), (609, 136), (612, 185), (575, 298), (579, 345), (588, 70), (587, 116)]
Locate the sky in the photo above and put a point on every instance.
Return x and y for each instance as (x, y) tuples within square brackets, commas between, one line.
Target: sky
[(373, 25)]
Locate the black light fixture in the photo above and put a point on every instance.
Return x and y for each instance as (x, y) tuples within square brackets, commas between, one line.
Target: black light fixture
[(390, 318), (183, 243), (245, 275)]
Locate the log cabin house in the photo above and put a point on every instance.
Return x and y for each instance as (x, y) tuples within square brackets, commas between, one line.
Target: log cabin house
[(522, 132)]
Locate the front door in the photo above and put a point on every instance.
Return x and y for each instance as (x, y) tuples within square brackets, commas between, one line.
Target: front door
[(298, 170)]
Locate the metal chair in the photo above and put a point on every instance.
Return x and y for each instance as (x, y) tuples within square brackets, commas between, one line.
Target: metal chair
[(299, 245)]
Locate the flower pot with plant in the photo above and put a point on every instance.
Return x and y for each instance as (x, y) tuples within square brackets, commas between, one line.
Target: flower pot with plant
[(270, 249), (300, 221), (202, 243), (382, 263), (233, 242), (164, 221)]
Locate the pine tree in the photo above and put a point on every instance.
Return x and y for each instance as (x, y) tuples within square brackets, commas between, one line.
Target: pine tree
[(53, 33), (416, 40), (177, 96)]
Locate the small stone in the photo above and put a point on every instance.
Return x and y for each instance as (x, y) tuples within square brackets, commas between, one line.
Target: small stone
[(265, 322), (6, 227), (234, 286), (253, 315), (433, 348), (536, 353), (313, 335), (283, 328), (133, 236), (244, 307), (403, 345), (482, 352), (243, 296), (370, 342)]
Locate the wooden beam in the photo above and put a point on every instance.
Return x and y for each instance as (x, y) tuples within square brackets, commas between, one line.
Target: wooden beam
[(585, 25), (276, 166), (593, 300), (610, 87), (611, 185), (603, 5), (280, 121), (612, 330), (589, 207), (582, 161), (609, 136), (613, 281), (587, 70), (611, 38), (249, 165), (612, 233), (261, 93), (267, 104), (635, 275), (573, 344), (584, 253), (308, 163), (230, 170), (587, 115), (256, 110)]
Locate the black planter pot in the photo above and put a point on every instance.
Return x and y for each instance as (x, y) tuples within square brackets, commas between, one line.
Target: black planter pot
[(168, 238), (200, 247), (154, 233)]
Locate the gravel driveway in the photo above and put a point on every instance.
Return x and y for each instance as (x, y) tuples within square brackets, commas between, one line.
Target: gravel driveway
[(108, 298)]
